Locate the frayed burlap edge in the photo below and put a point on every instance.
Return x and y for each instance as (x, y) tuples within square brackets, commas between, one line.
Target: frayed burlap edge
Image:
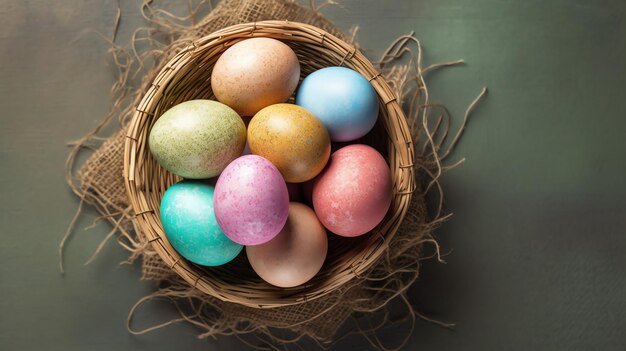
[(98, 182)]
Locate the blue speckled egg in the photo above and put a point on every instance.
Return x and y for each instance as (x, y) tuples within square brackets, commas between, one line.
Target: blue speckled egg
[(190, 225), (342, 99)]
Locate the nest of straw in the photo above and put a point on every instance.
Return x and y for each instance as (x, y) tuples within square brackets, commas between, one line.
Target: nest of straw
[(187, 76), (363, 275)]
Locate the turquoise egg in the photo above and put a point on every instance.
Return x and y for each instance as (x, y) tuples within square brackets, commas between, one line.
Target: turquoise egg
[(342, 99), (190, 225)]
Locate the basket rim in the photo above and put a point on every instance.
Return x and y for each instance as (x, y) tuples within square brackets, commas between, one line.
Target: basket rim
[(400, 158)]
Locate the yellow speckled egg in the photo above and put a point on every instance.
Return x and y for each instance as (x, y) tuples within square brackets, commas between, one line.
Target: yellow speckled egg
[(255, 73), (292, 138)]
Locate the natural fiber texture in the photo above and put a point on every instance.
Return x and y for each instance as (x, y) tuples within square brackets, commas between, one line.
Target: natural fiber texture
[(382, 269), (187, 76)]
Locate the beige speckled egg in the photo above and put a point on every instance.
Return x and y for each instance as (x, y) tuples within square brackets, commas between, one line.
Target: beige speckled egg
[(255, 73)]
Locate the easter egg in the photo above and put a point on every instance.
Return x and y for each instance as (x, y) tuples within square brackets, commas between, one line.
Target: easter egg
[(251, 200), (296, 254), (197, 139), (342, 99), (353, 193), (190, 226), (292, 138), (255, 73)]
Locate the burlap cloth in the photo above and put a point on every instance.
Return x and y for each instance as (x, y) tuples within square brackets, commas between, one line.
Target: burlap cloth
[(98, 182)]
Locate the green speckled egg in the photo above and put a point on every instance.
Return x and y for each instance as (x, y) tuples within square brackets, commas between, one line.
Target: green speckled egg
[(197, 139)]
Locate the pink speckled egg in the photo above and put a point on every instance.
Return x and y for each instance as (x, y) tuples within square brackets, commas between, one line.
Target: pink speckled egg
[(353, 193), (255, 73), (251, 200)]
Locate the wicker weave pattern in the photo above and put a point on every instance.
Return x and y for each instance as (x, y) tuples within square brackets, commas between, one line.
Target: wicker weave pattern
[(187, 76)]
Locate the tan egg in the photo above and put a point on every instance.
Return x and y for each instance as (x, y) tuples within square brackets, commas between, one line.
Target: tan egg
[(255, 73), (292, 138), (296, 254)]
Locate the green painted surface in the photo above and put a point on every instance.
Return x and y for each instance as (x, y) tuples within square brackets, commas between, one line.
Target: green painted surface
[(538, 233)]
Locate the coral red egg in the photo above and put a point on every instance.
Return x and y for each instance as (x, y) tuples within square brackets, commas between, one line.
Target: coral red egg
[(353, 193)]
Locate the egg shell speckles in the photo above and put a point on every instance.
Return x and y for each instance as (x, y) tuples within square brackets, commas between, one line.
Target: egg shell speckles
[(353, 193), (292, 138), (197, 138), (189, 223), (251, 200), (255, 73)]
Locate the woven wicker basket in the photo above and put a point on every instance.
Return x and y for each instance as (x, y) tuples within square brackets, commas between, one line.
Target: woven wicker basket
[(186, 77)]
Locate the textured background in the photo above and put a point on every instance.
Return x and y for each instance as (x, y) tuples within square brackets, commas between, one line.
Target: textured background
[(538, 234)]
